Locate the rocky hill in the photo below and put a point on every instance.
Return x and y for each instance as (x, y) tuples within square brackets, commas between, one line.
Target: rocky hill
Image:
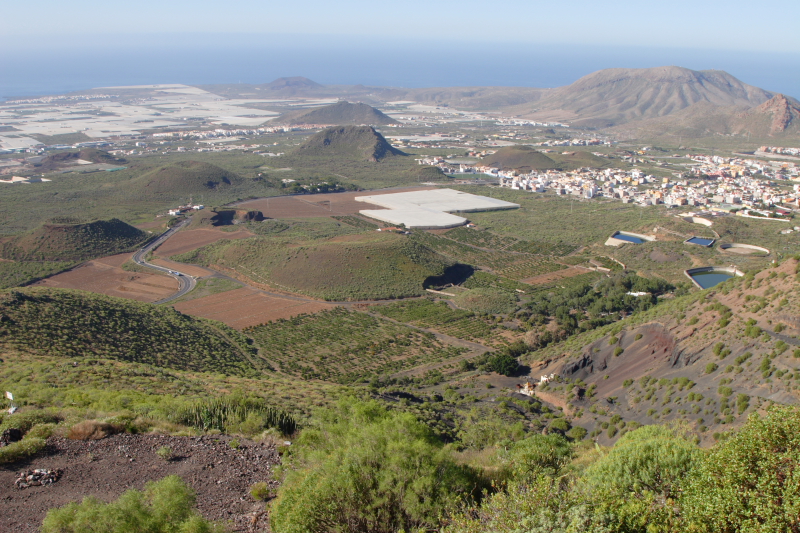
[(360, 143), (66, 240), (338, 113), (708, 359), (615, 96)]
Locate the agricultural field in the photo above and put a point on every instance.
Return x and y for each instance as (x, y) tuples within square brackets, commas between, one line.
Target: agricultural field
[(106, 276), (245, 307), (345, 346), (439, 316), (492, 241), (514, 265), (188, 240), (550, 277)]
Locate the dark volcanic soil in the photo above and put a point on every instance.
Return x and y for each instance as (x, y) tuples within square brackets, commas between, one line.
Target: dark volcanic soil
[(219, 474)]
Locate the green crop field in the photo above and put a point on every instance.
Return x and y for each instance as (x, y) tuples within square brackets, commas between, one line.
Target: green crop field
[(441, 317), (346, 346)]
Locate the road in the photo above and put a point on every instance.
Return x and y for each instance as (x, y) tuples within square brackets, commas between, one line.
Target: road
[(185, 282)]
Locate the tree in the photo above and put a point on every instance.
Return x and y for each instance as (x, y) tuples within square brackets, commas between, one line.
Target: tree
[(366, 469), (166, 506), (749, 483)]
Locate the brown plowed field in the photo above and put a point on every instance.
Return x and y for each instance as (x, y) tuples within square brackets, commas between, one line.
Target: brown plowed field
[(318, 205), (196, 271), (188, 240), (114, 260), (554, 276), (245, 307), (100, 277)]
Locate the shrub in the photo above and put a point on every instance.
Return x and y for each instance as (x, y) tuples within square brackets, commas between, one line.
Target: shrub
[(16, 451), (618, 351), (747, 482), (165, 452), (372, 469), (711, 367), (219, 413), (260, 491), (577, 433), (92, 430), (163, 507)]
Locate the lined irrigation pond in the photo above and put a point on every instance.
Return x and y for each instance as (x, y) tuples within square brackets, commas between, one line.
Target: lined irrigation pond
[(629, 238), (711, 278), (701, 241)]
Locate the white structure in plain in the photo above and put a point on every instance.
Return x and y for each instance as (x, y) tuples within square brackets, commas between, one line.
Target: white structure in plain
[(429, 209)]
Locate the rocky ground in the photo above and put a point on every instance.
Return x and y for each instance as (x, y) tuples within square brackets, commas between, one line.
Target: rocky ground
[(219, 473)]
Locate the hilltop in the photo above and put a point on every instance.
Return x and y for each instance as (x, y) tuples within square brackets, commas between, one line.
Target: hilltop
[(59, 160), (615, 96), (361, 143), (338, 113), (347, 266), (186, 177), (67, 240), (709, 358), (527, 158)]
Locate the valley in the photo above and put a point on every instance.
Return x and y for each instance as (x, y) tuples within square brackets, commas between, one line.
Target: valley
[(229, 282)]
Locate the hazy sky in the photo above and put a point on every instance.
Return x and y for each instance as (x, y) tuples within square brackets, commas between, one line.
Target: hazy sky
[(54, 46), (720, 25)]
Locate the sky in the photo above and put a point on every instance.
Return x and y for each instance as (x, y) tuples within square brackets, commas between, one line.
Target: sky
[(53, 46)]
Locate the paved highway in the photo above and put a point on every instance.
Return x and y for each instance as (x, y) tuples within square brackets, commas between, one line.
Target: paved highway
[(185, 282)]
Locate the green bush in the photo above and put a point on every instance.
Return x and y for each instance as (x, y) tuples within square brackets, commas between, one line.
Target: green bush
[(23, 449), (748, 483), (711, 367), (371, 470), (166, 506)]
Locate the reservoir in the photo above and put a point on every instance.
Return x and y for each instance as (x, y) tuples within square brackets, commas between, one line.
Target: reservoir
[(701, 241), (629, 238), (711, 278)]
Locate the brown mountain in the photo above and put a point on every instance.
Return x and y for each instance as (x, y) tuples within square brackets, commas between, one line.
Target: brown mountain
[(338, 113), (617, 96)]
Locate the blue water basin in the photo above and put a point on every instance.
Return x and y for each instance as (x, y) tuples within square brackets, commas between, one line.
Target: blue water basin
[(701, 241), (629, 238), (711, 278)]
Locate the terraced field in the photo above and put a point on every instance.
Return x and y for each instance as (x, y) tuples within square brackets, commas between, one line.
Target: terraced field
[(346, 346), (442, 318)]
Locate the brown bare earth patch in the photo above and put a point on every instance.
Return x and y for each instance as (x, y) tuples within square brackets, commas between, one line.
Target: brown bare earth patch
[(660, 257), (108, 467), (114, 260), (98, 277), (318, 205), (554, 276), (196, 271), (246, 307), (188, 240)]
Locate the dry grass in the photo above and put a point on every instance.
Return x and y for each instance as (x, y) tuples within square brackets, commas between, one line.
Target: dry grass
[(92, 430)]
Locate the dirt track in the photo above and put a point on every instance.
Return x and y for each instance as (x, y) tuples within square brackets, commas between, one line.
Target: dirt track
[(219, 474)]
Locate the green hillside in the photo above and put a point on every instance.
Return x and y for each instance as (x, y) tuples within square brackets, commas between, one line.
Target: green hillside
[(185, 178), (75, 324), (360, 143), (348, 267), (338, 113), (66, 240)]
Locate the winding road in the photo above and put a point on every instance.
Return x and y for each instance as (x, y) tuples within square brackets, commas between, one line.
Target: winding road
[(185, 282)]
